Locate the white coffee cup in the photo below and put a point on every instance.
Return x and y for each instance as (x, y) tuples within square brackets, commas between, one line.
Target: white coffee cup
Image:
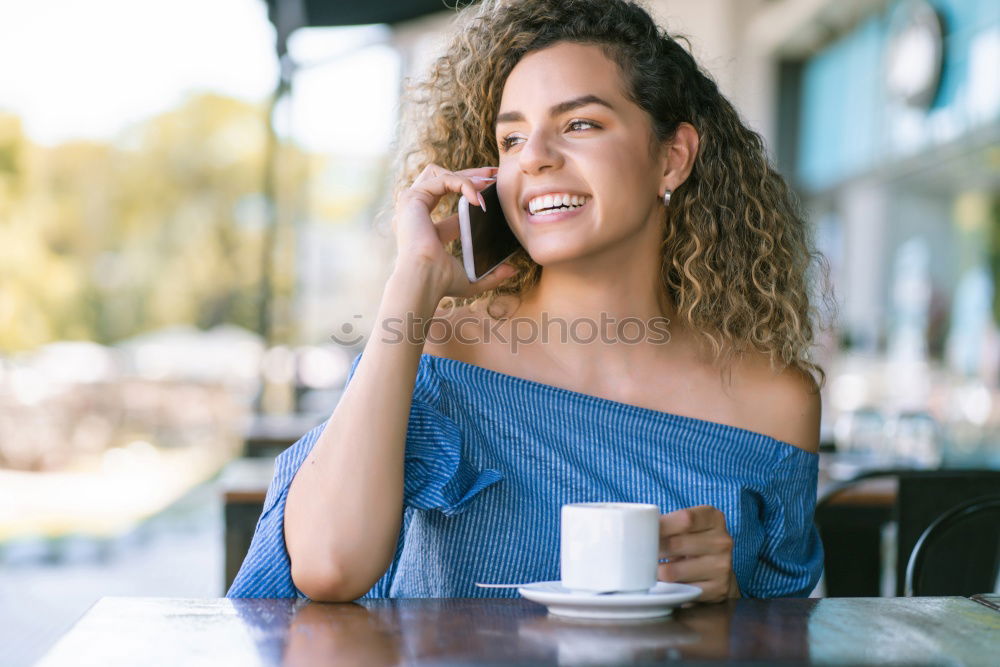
[(609, 546)]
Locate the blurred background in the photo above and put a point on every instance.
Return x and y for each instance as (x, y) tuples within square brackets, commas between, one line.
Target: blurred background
[(192, 249)]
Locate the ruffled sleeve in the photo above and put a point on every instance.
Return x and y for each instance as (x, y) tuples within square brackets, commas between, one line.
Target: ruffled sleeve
[(437, 474), (266, 569), (790, 560), (436, 477)]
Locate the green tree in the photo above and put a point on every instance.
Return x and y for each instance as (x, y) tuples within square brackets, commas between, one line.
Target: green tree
[(102, 241)]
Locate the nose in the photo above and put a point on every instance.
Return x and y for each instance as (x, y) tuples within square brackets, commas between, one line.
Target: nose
[(539, 153)]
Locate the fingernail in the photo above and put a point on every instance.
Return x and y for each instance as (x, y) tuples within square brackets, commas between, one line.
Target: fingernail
[(482, 202), (484, 178)]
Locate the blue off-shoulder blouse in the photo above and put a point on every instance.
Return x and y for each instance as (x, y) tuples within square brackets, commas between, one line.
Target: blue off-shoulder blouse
[(490, 458)]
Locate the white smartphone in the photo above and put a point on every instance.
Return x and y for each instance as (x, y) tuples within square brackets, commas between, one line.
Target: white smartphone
[(487, 239)]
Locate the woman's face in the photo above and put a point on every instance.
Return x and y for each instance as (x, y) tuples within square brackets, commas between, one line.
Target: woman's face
[(564, 128)]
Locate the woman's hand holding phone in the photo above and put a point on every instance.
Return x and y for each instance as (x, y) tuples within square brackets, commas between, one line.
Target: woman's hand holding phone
[(420, 240)]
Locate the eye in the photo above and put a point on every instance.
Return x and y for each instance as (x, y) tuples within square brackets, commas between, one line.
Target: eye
[(505, 143), (573, 125), (582, 122)]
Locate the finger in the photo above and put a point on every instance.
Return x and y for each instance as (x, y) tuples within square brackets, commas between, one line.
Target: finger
[(432, 189), (680, 571), (433, 171), (482, 182), (687, 545), (488, 172), (428, 172), (711, 590), (448, 229), (699, 568), (690, 520), (491, 281)]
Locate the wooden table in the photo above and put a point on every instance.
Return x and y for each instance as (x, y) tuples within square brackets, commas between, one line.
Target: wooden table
[(857, 631)]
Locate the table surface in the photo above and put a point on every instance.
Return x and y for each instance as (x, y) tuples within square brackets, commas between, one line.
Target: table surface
[(991, 600), (152, 631)]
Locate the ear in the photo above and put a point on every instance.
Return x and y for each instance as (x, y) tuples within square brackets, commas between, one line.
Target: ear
[(677, 158)]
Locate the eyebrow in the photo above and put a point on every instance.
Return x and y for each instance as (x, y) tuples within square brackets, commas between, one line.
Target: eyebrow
[(561, 108)]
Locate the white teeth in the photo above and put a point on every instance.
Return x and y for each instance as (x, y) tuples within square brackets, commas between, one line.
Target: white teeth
[(549, 201)]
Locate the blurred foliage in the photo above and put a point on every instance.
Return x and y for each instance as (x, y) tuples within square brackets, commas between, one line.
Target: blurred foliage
[(993, 254), (101, 241)]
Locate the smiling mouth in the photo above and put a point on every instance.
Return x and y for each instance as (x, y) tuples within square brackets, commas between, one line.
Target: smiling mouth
[(556, 209), (555, 202), (556, 212)]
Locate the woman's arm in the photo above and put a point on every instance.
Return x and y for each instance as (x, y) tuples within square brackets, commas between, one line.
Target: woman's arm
[(344, 508)]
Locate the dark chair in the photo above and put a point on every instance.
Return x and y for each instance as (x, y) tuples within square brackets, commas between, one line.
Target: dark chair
[(959, 553), (924, 496), (851, 515)]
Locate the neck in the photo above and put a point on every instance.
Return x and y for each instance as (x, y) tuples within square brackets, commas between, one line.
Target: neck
[(618, 292), (606, 304)]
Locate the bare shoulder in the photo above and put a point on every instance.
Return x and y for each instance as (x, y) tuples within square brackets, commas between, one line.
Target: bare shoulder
[(457, 333), (785, 405), (476, 334)]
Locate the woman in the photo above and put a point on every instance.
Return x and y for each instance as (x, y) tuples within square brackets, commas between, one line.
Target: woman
[(448, 457)]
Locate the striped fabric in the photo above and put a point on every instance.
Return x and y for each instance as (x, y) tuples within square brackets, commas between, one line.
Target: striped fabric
[(490, 458)]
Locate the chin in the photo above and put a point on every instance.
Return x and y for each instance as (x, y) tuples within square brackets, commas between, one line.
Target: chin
[(547, 254)]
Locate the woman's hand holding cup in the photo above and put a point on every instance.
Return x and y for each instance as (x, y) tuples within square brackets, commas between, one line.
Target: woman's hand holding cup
[(700, 550), (420, 240)]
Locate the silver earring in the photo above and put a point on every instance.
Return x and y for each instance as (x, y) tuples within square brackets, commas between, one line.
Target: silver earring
[(666, 198)]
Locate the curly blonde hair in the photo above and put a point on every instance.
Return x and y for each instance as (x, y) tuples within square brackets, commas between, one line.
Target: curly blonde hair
[(736, 252)]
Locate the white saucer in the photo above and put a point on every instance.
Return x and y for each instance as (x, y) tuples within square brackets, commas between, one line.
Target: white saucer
[(659, 601)]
